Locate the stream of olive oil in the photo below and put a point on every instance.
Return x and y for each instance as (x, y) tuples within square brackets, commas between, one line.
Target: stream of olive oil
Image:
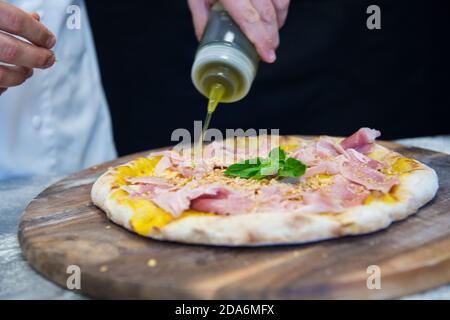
[(215, 96)]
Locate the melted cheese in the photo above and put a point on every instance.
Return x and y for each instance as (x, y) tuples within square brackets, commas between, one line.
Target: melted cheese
[(147, 217)]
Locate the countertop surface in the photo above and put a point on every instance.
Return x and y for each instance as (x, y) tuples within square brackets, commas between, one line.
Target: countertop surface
[(19, 281)]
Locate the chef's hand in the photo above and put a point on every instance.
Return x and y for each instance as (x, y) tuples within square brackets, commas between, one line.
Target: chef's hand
[(22, 56), (260, 20)]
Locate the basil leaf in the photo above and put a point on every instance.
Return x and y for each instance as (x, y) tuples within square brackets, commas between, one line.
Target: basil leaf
[(246, 173), (244, 165), (270, 170), (277, 154), (293, 168), (259, 176), (275, 166)]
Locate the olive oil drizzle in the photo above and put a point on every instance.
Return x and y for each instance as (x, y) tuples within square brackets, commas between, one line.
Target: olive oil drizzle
[(215, 96)]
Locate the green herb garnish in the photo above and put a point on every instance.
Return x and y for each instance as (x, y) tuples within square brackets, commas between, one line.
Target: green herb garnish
[(276, 166)]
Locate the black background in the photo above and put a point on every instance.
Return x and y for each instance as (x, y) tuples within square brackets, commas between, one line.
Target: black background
[(332, 76)]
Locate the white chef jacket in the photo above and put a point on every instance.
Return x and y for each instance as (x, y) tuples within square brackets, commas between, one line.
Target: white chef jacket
[(58, 120)]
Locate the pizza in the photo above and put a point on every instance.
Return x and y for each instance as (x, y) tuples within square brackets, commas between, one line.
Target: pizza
[(266, 190)]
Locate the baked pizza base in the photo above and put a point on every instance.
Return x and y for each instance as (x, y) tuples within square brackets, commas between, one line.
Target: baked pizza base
[(273, 228)]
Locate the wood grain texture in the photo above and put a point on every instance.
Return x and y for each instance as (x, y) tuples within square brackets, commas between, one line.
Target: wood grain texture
[(61, 227)]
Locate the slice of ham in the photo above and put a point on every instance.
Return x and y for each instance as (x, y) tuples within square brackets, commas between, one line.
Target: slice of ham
[(362, 140), (171, 159), (163, 165), (313, 152), (149, 190), (226, 153), (173, 156), (132, 192), (320, 201), (182, 163), (306, 154), (219, 155), (178, 201), (196, 170), (224, 202), (334, 198), (326, 148), (366, 176), (215, 199), (149, 180), (272, 197), (348, 193), (146, 187), (324, 167), (354, 155)]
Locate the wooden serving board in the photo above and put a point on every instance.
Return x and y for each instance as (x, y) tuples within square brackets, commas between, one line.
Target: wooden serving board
[(61, 227)]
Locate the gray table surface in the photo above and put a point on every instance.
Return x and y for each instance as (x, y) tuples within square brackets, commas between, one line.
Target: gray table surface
[(19, 281)]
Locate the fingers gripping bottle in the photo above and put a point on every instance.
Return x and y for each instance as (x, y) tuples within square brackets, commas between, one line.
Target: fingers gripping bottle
[(226, 62)]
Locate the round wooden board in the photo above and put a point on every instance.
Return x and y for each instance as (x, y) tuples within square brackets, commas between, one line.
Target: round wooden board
[(61, 227)]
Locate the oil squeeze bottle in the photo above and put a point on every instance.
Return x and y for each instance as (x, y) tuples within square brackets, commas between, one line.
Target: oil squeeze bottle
[(225, 64)]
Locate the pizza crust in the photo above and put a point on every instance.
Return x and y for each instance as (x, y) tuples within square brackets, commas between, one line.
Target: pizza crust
[(273, 228), (100, 195)]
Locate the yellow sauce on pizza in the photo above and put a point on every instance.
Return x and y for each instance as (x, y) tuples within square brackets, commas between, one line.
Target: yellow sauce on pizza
[(404, 166)]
